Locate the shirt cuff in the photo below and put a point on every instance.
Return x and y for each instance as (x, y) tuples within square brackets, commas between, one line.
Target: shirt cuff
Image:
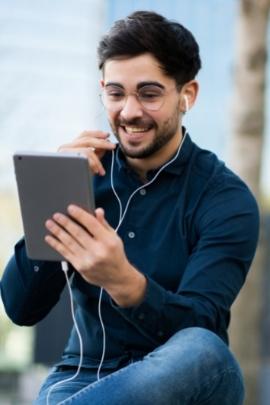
[(146, 317)]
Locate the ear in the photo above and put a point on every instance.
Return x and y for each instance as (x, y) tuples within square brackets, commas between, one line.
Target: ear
[(189, 94), (102, 83)]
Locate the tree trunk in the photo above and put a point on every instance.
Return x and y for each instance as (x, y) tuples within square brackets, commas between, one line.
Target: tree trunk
[(245, 155)]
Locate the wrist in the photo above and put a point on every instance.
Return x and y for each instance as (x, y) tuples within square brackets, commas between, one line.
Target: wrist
[(131, 291)]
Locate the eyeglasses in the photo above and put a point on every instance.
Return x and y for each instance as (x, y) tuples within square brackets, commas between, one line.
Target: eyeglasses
[(151, 97)]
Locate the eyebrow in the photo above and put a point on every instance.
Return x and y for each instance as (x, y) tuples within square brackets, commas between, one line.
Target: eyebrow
[(114, 84), (150, 83), (139, 85)]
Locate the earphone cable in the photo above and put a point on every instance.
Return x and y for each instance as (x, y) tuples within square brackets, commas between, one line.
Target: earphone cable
[(64, 266)]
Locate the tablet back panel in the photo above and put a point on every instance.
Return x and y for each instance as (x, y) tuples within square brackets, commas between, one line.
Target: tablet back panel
[(48, 183)]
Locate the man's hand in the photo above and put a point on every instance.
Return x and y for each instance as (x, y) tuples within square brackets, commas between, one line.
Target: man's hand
[(93, 144), (94, 249)]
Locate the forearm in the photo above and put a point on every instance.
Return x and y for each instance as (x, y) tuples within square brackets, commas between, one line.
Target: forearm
[(162, 313), (29, 289)]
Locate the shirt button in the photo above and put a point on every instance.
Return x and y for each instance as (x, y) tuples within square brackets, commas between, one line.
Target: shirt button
[(142, 191), (36, 269), (160, 333), (141, 316), (131, 235)]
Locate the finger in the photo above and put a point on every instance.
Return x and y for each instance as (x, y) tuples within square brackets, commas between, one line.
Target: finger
[(94, 134), (93, 160), (95, 164), (59, 247), (97, 144), (63, 238), (100, 215), (97, 229), (100, 144), (63, 251), (77, 232), (101, 147), (93, 142)]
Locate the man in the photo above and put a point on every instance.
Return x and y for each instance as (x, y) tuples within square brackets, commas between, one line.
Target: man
[(170, 243)]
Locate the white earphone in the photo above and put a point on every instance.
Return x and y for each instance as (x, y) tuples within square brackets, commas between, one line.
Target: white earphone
[(186, 103)]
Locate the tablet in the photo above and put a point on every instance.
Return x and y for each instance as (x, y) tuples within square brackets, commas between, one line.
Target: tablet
[(48, 183)]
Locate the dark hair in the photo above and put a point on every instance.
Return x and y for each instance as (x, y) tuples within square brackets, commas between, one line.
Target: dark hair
[(148, 32)]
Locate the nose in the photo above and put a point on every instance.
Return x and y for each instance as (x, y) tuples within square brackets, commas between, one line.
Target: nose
[(132, 108)]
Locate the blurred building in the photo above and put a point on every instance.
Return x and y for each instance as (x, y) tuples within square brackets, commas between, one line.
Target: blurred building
[(48, 73), (49, 94)]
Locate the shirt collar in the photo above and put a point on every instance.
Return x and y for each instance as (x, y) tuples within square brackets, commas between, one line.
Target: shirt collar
[(175, 167)]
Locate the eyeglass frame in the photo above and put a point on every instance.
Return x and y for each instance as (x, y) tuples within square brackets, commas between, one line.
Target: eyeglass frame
[(136, 94)]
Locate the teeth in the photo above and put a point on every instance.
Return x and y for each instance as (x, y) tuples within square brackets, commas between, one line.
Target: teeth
[(132, 130)]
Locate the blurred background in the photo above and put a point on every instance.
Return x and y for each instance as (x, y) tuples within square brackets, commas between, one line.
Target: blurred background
[(49, 85)]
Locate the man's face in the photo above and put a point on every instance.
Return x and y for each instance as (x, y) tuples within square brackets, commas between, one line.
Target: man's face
[(142, 126)]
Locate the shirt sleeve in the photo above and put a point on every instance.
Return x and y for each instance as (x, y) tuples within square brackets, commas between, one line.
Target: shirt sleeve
[(30, 288), (226, 225)]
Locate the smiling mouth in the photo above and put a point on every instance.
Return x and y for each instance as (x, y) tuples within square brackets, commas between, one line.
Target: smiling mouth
[(136, 130)]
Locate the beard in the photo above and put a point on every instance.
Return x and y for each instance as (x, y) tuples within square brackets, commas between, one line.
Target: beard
[(164, 133)]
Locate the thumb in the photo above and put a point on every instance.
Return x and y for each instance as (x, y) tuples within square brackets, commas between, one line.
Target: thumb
[(100, 215)]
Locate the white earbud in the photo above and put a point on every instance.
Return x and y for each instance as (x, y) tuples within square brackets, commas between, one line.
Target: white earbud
[(186, 103)]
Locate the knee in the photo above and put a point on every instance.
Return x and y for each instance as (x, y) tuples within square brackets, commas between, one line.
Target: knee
[(199, 347), (196, 357), (212, 360), (202, 342)]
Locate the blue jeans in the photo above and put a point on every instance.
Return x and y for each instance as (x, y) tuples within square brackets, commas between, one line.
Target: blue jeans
[(193, 367)]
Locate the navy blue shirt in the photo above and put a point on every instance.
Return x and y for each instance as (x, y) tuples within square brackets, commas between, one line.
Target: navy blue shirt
[(192, 232)]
